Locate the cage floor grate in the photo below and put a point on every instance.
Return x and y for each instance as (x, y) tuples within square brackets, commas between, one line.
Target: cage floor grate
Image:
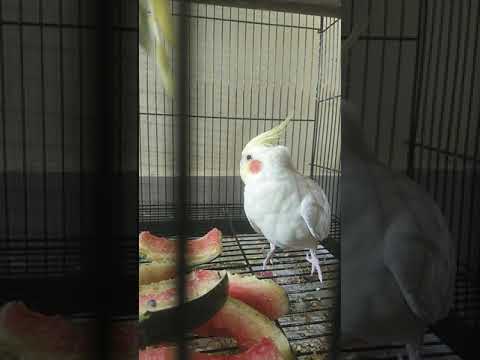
[(309, 323)]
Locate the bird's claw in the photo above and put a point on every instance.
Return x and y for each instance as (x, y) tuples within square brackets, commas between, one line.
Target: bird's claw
[(312, 259)]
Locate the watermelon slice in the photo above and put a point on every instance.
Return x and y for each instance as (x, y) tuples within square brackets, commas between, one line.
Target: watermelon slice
[(199, 251), (28, 334), (263, 295), (206, 293), (246, 325), (265, 349), (155, 271)]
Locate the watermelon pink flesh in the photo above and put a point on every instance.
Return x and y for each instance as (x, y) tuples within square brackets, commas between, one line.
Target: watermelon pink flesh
[(164, 292), (19, 326), (198, 250), (246, 325), (125, 338), (263, 350), (263, 295)]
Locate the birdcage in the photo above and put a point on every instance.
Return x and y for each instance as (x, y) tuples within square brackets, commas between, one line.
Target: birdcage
[(413, 73), (60, 165), (247, 69)]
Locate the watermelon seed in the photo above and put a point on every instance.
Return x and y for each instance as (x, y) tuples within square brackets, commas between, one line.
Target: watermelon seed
[(152, 303)]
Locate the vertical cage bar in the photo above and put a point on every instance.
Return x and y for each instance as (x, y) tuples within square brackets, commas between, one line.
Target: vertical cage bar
[(414, 114), (24, 134), (4, 140), (468, 232), (181, 173), (397, 85), (381, 79)]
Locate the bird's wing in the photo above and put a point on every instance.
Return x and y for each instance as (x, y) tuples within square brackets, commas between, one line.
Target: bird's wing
[(254, 226), (419, 253), (315, 210)]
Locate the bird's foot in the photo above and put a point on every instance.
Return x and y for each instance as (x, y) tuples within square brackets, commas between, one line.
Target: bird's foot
[(312, 259), (269, 258), (265, 262)]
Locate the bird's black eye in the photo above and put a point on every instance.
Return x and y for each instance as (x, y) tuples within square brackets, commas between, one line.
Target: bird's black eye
[(249, 157)]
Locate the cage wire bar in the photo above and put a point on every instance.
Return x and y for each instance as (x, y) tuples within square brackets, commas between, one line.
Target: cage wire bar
[(247, 69), (57, 134), (44, 120), (414, 74)]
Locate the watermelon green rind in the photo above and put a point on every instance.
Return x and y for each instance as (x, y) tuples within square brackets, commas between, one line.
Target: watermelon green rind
[(205, 298), (246, 325), (199, 251), (262, 350), (263, 295)]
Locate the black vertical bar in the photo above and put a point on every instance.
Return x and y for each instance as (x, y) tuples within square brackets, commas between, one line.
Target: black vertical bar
[(295, 93), (457, 139), (397, 86), (228, 101), (443, 96), (349, 53), (243, 88), (205, 114), (165, 162), (329, 181), (197, 54), (235, 178), (212, 134), (4, 139), (24, 133), (220, 113), (274, 68), (148, 185), (381, 79), (260, 49), (44, 134), (251, 75), (287, 103), (310, 79), (181, 127), (120, 96), (435, 86), (317, 97), (268, 67), (465, 152), (416, 88), (80, 114), (157, 145), (423, 97), (99, 251), (235, 121), (62, 130), (365, 66), (451, 118)]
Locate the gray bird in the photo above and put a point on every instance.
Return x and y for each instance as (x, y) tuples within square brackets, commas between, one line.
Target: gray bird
[(398, 259)]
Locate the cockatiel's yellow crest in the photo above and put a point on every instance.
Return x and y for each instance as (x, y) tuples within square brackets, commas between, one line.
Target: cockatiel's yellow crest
[(271, 136)]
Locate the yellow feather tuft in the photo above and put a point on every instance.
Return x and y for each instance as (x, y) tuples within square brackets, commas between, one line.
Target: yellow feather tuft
[(271, 136), (162, 13)]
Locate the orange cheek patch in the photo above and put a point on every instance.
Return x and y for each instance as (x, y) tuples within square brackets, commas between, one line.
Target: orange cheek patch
[(255, 166)]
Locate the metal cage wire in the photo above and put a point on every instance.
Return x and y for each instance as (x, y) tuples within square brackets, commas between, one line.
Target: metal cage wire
[(247, 69)]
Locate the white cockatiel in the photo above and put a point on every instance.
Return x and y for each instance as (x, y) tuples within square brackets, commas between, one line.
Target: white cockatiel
[(289, 209), (398, 258)]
